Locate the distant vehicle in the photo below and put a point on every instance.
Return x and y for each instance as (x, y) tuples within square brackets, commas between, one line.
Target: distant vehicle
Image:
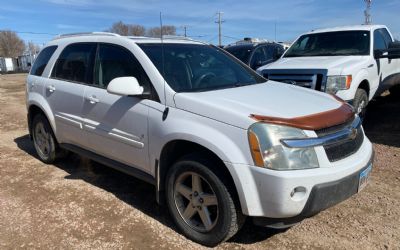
[(217, 140), (256, 53), (355, 63)]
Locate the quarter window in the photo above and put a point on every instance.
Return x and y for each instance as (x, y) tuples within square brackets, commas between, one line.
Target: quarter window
[(42, 60), (114, 61), (76, 63)]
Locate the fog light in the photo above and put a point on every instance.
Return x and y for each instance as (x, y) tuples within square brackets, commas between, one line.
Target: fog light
[(298, 193)]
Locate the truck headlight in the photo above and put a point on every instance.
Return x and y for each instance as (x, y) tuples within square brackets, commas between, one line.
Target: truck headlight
[(336, 83), (268, 151)]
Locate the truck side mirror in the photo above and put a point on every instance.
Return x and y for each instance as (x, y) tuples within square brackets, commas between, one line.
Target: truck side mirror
[(394, 50)]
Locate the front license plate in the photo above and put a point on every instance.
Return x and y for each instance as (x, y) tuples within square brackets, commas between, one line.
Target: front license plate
[(363, 178)]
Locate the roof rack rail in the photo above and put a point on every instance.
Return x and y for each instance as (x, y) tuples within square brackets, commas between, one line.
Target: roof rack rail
[(96, 33)]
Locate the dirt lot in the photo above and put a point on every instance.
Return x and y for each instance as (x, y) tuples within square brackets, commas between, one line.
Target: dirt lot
[(78, 204)]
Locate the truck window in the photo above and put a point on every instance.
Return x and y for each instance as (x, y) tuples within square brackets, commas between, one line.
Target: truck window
[(379, 41), (386, 36), (42, 60)]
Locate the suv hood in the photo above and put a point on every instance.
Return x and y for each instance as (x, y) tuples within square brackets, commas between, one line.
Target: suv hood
[(315, 62), (235, 105)]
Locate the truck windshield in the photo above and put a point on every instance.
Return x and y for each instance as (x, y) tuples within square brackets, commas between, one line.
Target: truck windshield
[(195, 67), (339, 43)]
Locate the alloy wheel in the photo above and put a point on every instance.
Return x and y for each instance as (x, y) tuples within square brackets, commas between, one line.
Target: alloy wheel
[(196, 201)]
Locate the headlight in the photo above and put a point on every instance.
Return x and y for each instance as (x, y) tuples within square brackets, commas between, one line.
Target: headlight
[(268, 151), (336, 83)]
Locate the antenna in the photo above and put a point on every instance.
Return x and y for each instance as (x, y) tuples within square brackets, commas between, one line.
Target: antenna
[(367, 12)]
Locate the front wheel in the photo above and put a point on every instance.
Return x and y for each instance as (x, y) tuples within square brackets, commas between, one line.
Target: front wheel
[(360, 102), (200, 203)]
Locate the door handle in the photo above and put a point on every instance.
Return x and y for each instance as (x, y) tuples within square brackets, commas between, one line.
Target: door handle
[(51, 88), (92, 99)]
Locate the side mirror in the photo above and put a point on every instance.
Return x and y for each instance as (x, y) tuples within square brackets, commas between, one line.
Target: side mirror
[(125, 86), (394, 50), (380, 54)]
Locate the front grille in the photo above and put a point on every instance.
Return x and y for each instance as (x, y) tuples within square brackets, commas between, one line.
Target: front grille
[(311, 81), (308, 78), (342, 149)]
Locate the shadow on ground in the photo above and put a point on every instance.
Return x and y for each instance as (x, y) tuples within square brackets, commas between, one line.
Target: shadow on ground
[(132, 191), (382, 122)]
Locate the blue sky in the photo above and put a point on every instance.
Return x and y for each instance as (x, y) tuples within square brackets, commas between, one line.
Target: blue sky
[(249, 18)]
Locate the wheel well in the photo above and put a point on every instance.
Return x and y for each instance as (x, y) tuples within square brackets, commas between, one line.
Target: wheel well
[(175, 150), (365, 86), (32, 112)]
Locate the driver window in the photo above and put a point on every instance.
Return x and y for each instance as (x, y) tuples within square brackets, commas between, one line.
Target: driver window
[(114, 61), (258, 57), (379, 41)]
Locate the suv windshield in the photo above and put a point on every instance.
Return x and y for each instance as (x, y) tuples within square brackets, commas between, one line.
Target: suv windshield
[(340, 43), (194, 67)]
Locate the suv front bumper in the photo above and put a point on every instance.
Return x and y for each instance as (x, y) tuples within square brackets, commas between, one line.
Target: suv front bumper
[(322, 196), (294, 195)]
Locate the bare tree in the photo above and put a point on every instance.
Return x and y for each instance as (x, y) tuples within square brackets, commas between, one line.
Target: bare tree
[(10, 44), (127, 29), (136, 30), (33, 48), (119, 28), (167, 30)]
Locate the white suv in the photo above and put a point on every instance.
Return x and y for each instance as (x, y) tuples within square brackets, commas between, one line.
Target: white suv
[(217, 140)]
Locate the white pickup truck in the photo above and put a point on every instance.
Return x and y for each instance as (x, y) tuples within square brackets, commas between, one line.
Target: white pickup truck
[(356, 63)]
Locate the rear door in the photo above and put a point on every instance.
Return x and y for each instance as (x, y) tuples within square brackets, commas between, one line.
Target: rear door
[(72, 71), (116, 126)]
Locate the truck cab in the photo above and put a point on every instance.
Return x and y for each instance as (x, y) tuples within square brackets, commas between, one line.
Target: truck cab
[(355, 63)]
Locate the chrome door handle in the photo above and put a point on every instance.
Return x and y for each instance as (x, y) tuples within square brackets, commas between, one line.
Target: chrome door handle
[(92, 99), (51, 88)]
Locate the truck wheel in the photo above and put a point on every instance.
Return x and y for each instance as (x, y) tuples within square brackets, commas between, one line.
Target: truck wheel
[(44, 140), (360, 102), (200, 203)]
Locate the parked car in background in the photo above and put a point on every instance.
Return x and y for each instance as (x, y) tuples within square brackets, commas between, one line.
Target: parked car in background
[(216, 139), (256, 53), (355, 63)]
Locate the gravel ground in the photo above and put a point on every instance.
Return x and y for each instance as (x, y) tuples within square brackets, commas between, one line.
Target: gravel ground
[(79, 204)]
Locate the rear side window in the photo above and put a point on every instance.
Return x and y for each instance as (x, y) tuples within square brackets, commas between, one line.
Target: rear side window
[(115, 61), (76, 63), (42, 60)]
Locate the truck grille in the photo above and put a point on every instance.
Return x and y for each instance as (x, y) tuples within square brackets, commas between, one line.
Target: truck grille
[(312, 79), (342, 149)]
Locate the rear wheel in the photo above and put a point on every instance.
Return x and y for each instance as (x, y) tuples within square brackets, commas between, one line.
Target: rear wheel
[(200, 203), (44, 140), (360, 102)]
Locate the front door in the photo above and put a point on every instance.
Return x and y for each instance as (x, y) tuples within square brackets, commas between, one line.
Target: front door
[(116, 126)]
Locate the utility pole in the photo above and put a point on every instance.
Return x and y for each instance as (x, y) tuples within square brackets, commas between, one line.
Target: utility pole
[(220, 21), (367, 12), (184, 28)]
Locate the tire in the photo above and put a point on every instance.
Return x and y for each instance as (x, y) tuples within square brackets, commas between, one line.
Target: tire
[(44, 140), (222, 215), (360, 102)]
